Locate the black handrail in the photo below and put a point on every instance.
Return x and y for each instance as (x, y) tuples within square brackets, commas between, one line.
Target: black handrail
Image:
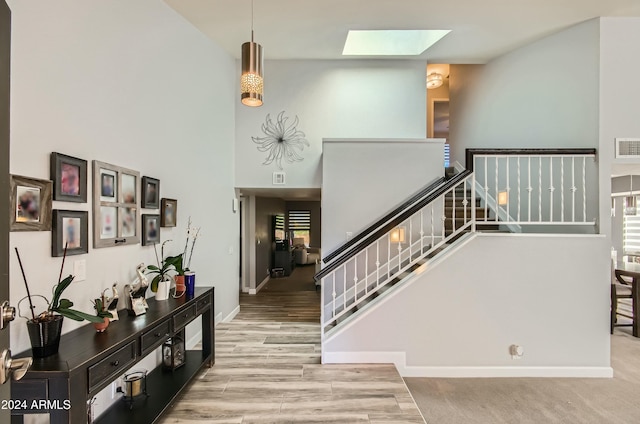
[(470, 153), (370, 238), (360, 236)]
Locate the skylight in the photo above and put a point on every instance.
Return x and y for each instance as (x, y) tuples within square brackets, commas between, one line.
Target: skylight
[(391, 42)]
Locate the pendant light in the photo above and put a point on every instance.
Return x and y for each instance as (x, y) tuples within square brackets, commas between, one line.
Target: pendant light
[(251, 82)]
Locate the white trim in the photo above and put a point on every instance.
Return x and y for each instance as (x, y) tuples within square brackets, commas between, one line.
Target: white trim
[(384, 140), (498, 371), (260, 286), (399, 360), (194, 340), (229, 317)]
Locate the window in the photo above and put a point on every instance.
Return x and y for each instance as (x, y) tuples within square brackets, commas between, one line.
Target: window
[(300, 225)]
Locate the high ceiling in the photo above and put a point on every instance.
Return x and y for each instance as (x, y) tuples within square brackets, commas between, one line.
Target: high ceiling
[(307, 29)]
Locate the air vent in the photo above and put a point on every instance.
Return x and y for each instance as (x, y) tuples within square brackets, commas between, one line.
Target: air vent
[(279, 178), (628, 147)]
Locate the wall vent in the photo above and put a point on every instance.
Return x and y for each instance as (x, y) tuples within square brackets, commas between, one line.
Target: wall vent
[(279, 178), (628, 147)]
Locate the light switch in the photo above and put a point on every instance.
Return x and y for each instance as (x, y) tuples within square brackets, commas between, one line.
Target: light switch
[(80, 270)]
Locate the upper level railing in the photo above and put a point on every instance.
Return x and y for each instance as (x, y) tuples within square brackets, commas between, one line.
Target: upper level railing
[(536, 186), (521, 187)]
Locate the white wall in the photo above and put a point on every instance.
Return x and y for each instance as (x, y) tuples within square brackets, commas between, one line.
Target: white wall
[(135, 85), (364, 179), (619, 91), (459, 317), (332, 99), (544, 94)]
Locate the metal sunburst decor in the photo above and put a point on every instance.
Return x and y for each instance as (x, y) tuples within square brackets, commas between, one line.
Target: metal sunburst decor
[(282, 141)]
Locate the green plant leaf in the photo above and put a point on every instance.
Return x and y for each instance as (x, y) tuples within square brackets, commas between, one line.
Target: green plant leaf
[(65, 303), (154, 283), (59, 288), (152, 268), (79, 315)]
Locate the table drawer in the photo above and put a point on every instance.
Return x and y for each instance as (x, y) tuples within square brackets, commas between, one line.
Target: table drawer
[(183, 317), (203, 304), (154, 337), (102, 371)]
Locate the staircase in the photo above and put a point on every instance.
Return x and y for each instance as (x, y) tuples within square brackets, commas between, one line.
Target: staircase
[(368, 267)]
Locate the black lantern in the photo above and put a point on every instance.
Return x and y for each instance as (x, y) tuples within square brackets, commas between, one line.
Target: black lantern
[(173, 352)]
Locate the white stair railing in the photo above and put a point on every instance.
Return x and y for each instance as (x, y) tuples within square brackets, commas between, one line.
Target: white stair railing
[(515, 189), (384, 260), (529, 189)]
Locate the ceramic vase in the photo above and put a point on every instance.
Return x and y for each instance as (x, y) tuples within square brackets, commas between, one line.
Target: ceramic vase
[(164, 286)]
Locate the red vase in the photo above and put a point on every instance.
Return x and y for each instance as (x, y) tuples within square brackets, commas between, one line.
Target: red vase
[(180, 286), (100, 327)]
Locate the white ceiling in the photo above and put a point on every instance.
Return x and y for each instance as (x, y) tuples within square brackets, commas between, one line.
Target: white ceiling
[(308, 29)]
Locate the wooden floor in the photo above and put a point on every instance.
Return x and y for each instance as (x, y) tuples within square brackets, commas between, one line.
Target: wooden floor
[(268, 371)]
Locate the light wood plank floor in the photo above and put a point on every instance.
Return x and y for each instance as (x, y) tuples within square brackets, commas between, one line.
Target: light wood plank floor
[(268, 371)]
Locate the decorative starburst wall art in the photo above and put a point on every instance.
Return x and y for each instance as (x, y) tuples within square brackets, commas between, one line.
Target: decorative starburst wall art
[(281, 140)]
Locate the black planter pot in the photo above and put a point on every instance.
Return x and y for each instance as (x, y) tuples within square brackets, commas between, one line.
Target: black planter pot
[(45, 336)]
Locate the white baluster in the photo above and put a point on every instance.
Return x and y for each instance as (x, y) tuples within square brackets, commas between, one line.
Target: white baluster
[(344, 283), (540, 188), (410, 239), (573, 189), (433, 230), (561, 188), (551, 189), (421, 231), (473, 202), (366, 271), (529, 189), (584, 189), (355, 278), (486, 190), (496, 187), (508, 189), (388, 256), (333, 293), (377, 262), (519, 191), (453, 210)]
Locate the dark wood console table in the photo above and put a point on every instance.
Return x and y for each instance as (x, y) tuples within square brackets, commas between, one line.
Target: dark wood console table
[(87, 362)]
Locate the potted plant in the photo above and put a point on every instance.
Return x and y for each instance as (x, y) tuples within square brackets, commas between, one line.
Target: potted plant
[(46, 327), (101, 312), (161, 282)]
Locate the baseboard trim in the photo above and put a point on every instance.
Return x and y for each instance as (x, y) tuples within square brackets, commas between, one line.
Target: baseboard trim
[(229, 317), (260, 286), (194, 340), (399, 360)]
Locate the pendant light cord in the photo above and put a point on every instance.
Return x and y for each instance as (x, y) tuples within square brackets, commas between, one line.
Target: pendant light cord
[(252, 21)]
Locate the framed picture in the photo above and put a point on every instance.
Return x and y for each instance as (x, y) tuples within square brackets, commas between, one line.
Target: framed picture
[(150, 193), (30, 201), (168, 213), (115, 205), (69, 176), (150, 229), (70, 228)]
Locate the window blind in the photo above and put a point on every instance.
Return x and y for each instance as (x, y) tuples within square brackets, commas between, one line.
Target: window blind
[(299, 220)]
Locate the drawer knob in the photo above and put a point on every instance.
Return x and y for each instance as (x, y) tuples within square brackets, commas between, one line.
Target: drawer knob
[(115, 363), (186, 315), (158, 334)]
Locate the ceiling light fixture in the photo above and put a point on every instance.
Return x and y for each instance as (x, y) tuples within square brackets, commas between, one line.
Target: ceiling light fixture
[(434, 80), (251, 81)]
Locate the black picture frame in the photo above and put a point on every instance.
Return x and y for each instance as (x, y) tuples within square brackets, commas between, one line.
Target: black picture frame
[(168, 212), (150, 193), (150, 229), (72, 227), (30, 203), (69, 176)]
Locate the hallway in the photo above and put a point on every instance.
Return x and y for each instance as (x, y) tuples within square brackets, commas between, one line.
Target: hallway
[(268, 371)]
